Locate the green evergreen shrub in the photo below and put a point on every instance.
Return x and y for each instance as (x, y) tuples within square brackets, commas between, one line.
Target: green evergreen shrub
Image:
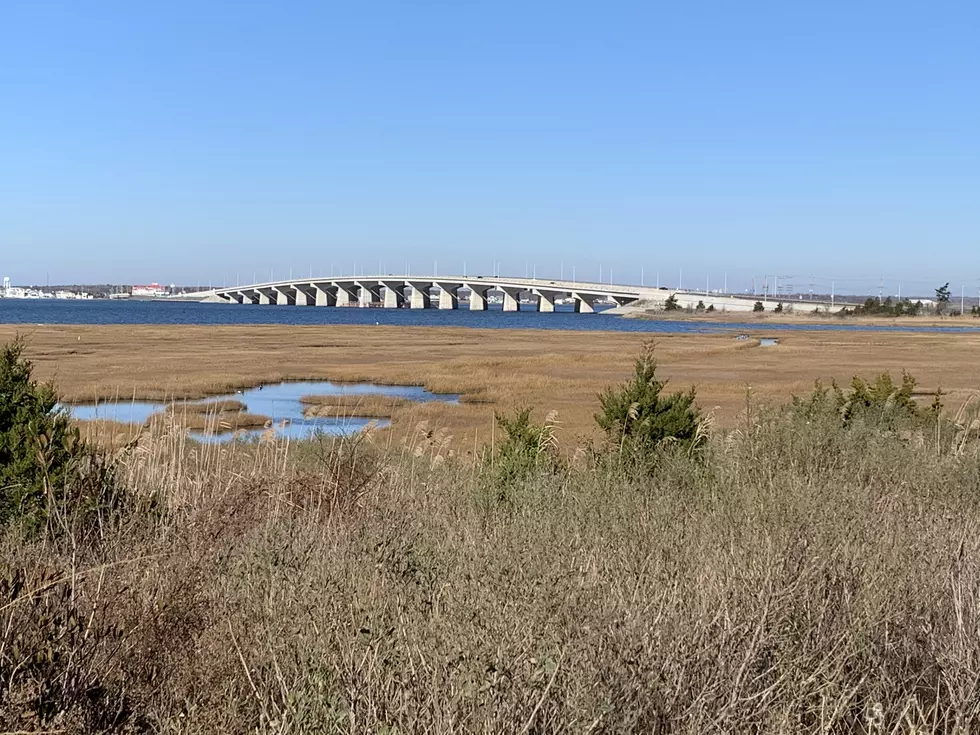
[(639, 419), (38, 445), (527, 449), (881, 402)]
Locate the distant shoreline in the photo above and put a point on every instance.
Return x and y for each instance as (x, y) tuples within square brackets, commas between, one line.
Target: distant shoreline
[(790, 317)]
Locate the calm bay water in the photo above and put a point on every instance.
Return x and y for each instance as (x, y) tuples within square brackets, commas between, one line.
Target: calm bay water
[(51, 311)]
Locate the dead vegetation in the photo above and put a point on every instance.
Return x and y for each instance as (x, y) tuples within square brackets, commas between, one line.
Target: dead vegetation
[(494, 370), (206, 407), (798, 573), (367, 406), (210, 417)]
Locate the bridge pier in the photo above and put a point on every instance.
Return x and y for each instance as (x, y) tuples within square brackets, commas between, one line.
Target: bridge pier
[(367, 295), (266, 297), (394, 295), (344, 295), (478, 297), (546, 300), (303, 297), (512, 299), (583, 305), (448, 296), (282, 295), (421, 298), (324, 296), (244, 298)]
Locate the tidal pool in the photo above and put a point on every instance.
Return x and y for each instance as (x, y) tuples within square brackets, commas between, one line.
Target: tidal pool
[(279, 402)]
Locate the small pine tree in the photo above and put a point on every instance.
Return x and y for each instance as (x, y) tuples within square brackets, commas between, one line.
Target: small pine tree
[(757, 306), (880, 403), (879, 400), (942, 298), (700, 306), (638, 419), (671, 303), (37, 442), (779, 308), (526, 449), (711, 307)]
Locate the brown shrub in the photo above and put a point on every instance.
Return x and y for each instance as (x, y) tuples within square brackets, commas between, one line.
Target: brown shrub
[(796, 577)]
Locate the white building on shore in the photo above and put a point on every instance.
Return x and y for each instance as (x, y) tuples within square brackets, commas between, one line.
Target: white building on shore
[(152, 290), (18, 292)]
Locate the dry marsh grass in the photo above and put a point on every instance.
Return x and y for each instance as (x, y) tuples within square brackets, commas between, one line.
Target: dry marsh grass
[(215, 417), (799, 312), (208, 421), (794, 577), (210, 407), (367, 406), (494, 370), (109, 434)]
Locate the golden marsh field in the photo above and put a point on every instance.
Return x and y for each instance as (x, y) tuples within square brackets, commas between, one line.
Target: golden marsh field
[(493, 370), (808, 571)]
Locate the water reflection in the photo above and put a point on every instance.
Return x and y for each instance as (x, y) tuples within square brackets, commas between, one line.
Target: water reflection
[(279, 402)]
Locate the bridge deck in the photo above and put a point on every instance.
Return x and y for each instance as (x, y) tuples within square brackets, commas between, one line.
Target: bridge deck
[(416, 291), (444, 292)]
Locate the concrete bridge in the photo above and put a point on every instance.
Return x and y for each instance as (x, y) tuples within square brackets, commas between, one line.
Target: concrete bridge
[(416, 292), (443, 292)]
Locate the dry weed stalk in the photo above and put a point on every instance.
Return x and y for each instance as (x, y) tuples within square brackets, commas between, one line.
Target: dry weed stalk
[(813, 580)]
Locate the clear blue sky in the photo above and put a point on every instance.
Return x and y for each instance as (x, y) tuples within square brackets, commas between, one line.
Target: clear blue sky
[(186, 141)]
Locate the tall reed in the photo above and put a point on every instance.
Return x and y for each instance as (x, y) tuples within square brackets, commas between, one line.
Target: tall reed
[(795, 575)]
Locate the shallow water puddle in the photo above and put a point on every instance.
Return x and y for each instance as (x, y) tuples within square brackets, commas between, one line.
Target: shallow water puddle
[(279, 402)]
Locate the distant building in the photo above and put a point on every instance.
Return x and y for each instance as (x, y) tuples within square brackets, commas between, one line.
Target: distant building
[(19, 292), (72, 295), (153, 290)]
